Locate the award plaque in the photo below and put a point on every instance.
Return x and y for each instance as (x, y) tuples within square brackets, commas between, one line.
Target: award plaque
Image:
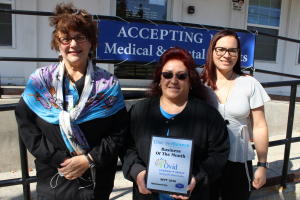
[(169, 165)]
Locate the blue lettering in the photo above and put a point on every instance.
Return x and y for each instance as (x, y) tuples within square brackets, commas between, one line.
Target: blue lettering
[(170, 166)]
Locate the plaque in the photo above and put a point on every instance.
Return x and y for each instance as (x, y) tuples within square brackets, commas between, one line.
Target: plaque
[(169, 165)]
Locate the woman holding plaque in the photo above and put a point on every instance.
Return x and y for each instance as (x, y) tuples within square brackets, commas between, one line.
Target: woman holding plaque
[(240, 100), (71, 116), (176, 108)]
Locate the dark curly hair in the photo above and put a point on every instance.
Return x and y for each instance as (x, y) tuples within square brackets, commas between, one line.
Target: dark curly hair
[(197, 89), (208, 74), (68, 18)]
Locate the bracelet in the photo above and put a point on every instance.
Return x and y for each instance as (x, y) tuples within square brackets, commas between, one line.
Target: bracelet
[(263, 164), (91, 162)]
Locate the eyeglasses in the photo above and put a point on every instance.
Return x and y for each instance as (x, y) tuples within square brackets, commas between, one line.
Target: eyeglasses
[(221, 51), (179, 76), (68, 40)]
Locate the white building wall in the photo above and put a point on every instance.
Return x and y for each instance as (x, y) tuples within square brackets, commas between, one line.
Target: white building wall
[(212, 12), (287, 52), (24, 45), (33, 34), (221, 13)]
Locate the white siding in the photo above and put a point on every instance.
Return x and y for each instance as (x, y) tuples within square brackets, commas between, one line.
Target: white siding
[(32, 34)]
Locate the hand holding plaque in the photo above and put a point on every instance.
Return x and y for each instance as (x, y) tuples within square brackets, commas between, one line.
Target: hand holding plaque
[(140, 181), (169, 165)]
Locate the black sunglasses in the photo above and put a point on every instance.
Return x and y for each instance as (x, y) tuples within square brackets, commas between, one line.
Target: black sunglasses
[(179, 76)]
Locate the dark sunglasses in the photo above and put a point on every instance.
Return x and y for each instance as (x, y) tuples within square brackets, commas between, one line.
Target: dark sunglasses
[(179, 76)]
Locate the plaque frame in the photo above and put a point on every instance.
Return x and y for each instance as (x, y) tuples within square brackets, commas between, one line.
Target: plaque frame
[(187, 193)]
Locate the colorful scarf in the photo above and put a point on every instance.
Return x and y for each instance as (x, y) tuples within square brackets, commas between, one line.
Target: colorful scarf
[(47, 90)]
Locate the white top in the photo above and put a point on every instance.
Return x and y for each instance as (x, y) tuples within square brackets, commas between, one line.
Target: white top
[(246, 94)]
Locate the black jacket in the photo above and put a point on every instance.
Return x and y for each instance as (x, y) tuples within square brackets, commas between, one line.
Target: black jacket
[(104, 135), (198, 121)]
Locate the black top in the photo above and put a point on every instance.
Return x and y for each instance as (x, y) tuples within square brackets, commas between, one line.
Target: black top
[(79, 84), (198, 121), (104, 135)]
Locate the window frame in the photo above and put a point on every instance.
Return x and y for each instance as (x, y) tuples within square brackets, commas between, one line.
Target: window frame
[(13, 25), (114, 66), (279, 28)]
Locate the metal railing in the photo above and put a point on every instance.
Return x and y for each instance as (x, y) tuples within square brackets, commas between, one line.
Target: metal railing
[(26, 179), (289, 130)]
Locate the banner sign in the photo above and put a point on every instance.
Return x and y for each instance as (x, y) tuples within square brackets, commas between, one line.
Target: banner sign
[(169, 165), (146, 42)]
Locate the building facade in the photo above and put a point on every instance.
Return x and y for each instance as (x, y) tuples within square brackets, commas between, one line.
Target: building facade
[(29, 35)]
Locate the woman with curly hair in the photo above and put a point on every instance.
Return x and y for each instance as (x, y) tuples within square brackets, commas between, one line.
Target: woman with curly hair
[(71, 116)]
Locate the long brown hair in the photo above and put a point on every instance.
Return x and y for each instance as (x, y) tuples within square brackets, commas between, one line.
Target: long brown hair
[(196, 87), (208, 74)]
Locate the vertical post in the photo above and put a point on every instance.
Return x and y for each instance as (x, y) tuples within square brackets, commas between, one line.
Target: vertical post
[(289, 131), (0, 87), (24, 169)]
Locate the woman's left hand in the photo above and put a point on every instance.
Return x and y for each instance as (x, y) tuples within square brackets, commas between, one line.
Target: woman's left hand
[(259, 177), (74, 167), (190, 188)]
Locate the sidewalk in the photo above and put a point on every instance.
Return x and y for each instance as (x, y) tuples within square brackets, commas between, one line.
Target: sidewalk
[(122, 189), (275, 158)]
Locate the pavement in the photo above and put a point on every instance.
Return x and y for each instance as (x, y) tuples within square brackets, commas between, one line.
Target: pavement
[(122, 189)]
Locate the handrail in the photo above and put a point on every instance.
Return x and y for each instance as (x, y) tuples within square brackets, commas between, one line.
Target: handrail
[(25, 180), (276, 73), (280, 83)]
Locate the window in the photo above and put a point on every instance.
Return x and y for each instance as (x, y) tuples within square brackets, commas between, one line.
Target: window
[(5, 26), (134, 71), (151, 9), (264, 16)]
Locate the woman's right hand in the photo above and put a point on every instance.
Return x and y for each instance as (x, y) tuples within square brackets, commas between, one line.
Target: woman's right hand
[(140, 181), (190, 188), (74, 167)]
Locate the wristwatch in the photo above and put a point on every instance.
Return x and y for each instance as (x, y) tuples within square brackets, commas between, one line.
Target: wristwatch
[(263, 164), (91, 162)]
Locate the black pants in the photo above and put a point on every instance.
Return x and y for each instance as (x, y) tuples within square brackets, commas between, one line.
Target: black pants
[(234, 183)]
